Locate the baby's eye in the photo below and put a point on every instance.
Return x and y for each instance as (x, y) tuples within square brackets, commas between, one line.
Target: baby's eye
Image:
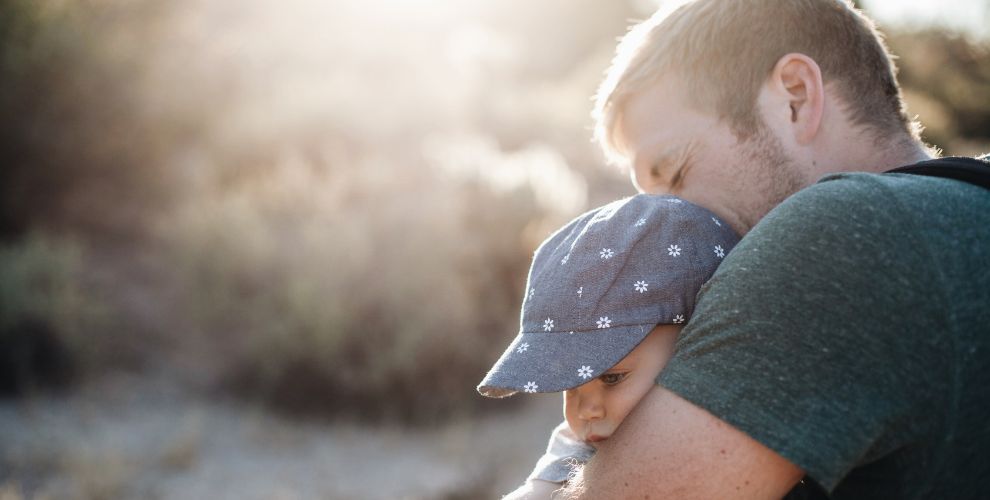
[(613, 378)]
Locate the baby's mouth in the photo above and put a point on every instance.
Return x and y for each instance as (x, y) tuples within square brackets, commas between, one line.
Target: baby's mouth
[(595, 438)]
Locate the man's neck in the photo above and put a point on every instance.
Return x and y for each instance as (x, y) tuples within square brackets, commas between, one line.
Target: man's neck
[(876, 157)]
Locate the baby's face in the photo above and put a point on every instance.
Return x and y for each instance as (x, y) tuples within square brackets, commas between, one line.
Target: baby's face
[(594, 410)]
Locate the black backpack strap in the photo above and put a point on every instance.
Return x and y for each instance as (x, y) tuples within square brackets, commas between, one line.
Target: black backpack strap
[(960, 168)]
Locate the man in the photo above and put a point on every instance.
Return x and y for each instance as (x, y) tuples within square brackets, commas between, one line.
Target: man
[(847, 338)]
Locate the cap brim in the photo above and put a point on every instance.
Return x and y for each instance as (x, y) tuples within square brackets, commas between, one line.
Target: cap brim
[(556, 361)]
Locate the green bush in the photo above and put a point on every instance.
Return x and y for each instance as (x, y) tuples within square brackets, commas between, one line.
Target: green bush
[(50, 325)]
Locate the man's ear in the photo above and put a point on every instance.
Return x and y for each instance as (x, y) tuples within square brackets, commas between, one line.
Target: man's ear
[(799, 96)]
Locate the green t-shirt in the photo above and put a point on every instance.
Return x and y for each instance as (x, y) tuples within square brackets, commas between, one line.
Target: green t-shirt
[(849, 332)]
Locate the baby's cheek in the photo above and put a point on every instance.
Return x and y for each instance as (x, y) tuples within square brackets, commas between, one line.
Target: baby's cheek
[(633, 394), (570, 412)]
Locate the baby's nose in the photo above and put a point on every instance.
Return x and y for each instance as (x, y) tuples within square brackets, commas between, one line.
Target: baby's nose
[(591, 405)]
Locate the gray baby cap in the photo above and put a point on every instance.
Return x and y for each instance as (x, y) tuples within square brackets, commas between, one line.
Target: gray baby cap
[(601, 283)]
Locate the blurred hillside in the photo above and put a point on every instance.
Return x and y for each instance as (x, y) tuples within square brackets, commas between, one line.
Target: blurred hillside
[(946, 81), (323, 206)]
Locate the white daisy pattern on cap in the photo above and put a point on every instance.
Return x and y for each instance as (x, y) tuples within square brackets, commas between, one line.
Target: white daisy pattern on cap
[(606, 253), (641, 221), (679, 319), (532, 292), (530, 387), (548, 325), (640, 286), (717, 223), (522, 347), (604, 322), (585, 372), (565, 259), (673, 250), (580, 291), (719, 251), (676, 200)]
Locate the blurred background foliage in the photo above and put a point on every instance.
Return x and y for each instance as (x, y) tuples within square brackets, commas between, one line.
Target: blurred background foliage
[(327, 207)]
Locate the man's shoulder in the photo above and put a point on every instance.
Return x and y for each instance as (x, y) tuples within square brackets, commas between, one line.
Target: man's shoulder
[(854, 191), (883, 204), (859, 188), (837, 207), (860, 232)]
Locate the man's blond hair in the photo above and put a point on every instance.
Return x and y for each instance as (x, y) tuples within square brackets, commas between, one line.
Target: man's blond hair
[(724, 50)]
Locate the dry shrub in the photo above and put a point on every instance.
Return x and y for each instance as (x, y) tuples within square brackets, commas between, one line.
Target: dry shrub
[(373, 292), (79, 149)]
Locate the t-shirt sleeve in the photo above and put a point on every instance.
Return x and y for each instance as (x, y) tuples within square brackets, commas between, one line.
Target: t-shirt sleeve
[(564, 453), (806, 339)]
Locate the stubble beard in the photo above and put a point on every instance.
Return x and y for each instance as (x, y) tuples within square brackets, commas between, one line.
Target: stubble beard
[(773, 176)]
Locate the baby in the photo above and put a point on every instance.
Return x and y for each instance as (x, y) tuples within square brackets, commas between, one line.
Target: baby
[(605, 299)]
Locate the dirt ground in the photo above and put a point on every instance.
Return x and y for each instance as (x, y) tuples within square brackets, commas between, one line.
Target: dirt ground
[(134, 438)]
